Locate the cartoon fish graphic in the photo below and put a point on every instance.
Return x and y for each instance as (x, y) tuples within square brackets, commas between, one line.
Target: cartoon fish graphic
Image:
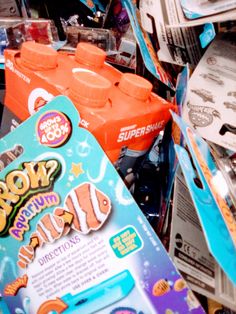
[(86, 208), (61, 212), (180, 284), (35, 235), (160, 288), (25, 256), (89, 206), (50, 228)]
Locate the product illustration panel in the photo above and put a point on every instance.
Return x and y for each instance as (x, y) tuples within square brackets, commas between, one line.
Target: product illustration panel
[(72, 239)]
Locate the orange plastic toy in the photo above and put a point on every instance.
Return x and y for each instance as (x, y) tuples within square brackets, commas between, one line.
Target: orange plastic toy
[(125, 118), (37, 73), (119, 109), (93, 58)]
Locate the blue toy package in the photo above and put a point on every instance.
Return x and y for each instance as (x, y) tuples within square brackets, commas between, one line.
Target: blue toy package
[(149, 56), (218, 223), (199, 8), (72, 239)]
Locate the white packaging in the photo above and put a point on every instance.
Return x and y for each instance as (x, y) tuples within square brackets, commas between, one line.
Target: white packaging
[(190, 253), (176, 45), (211, 102)]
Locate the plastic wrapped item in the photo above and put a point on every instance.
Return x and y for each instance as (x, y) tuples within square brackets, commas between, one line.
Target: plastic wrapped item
[(214, 213), (73, 12), (147, 51), (9, 8), (13, 32), (102, 38), (126, 51), (148, 184), (117, 17), (41, 31), (189, 250)]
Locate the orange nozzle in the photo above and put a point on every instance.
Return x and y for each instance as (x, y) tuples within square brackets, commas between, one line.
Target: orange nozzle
[(89, 89), (135, 86), (90, 55), (38, 56)]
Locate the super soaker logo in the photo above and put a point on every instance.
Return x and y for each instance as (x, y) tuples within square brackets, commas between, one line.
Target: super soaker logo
[(17, 208)]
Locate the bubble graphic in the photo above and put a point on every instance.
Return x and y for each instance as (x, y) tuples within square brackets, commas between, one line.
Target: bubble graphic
[(19, 311), (146, 264), (4, 262), (69, 152), (146, 273), (83, 149), (170, 282)]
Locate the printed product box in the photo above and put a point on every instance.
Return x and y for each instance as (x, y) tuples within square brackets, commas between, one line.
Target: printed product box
[(190, 253), (176, 45), (207, 190), (66, 244), (183, 14), (72, 239), (211, 102), (199, 8), (147, 51), (198, 12)]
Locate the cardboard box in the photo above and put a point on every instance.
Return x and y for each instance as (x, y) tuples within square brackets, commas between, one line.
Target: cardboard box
[(211, 100)]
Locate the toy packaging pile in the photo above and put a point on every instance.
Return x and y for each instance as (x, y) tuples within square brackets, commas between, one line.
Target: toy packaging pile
[(118, 157)]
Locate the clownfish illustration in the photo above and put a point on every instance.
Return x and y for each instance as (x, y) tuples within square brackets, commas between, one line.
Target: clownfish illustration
[(60, 212), (86, 208), (39, 240), (89, 206), (160, 288), (25, 256), (50, 228), (180, 285)]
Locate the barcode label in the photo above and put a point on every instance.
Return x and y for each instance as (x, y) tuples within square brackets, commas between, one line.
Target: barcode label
[(226, 288)]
